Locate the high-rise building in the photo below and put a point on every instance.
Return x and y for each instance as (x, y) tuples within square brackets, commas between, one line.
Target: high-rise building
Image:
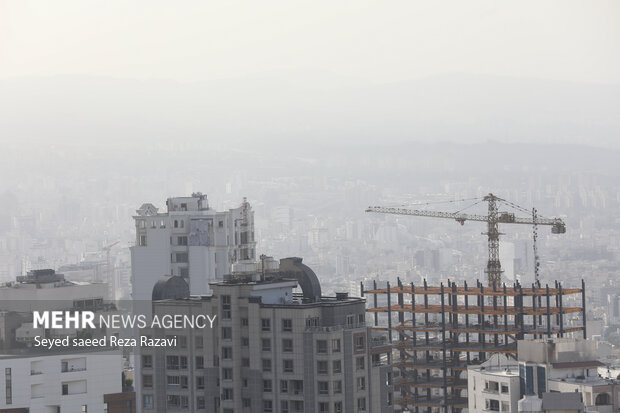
[(272, 349), (189, 240)]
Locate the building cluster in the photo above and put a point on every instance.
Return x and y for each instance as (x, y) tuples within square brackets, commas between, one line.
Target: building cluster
[(283, 342)]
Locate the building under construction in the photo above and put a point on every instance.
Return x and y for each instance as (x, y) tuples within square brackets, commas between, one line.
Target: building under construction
[(437, 331)]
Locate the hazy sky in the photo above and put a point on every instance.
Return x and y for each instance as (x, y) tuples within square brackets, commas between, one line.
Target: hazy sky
[(366, 41)]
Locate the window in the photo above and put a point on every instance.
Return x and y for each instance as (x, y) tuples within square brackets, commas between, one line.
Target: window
[(227, 374), (361, 403), (337, 366), (267, 387), (246, 402), (147, 401), (226, 333), (266, 324), (337, 386), (350, 319), (245, 341), (84, 408), (142, 241), (288, 366), (176, 223), (172, 362), (313, 322), (321, 346), (266, 344), (147, 361), (8, 385), (504, 388), (284, 406), (323, 388), (287, 325), (173, 401), (200, 362), (336, 345), (220, 224), (298, 406), (184, 382), (183, 362), (267, 406), (65, 389), (198, 342), (287, 345), (106, 408), (491, 404), (266, 365), (359, 363), (245, 322), (182, 341), (361, 383), (283, 386), (226, 353), (226, 307), (323, 407), (147, 381), (184, 272), (390, 399), (337, 407), (182, 240), (227, 394), (541, 374), (200, 382), (201, 403), (173, 380), (360, 342), (321, 367), (181, 257)]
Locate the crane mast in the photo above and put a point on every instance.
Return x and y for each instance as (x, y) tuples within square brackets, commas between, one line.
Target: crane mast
[(493, 218)]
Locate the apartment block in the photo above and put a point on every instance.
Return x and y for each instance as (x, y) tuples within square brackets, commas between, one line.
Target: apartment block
[(189, 240), (273, 349)]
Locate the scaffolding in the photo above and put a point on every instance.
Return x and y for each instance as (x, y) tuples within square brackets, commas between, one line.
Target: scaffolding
[(440, 330)]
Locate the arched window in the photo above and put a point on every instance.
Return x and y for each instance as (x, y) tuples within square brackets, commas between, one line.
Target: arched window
[(602, 399), (176, 223)]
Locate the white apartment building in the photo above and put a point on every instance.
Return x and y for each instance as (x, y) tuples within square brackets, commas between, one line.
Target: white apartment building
[(189, 240), (271, 351), (59, 383), (493, 386)]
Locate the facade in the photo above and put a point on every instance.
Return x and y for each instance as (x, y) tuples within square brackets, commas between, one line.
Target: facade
[(494, 385), (189, 240), (272, 350), (70, 382)]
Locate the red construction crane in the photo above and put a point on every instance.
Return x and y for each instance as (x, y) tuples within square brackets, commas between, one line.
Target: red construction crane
[(493, 219)]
